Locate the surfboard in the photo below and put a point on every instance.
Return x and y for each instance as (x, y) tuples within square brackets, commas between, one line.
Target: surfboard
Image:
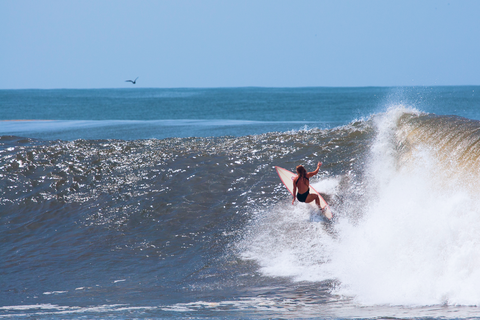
[(287, 178)]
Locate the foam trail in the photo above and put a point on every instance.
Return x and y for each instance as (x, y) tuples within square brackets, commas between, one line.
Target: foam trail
[(289, 241), (415, 243)]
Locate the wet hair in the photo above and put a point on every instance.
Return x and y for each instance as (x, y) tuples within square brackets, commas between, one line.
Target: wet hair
[(302, 173)]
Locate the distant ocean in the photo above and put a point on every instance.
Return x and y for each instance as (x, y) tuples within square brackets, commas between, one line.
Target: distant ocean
[(159, 203)]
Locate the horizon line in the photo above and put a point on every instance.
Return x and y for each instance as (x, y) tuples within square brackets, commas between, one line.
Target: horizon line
[(252, 87)]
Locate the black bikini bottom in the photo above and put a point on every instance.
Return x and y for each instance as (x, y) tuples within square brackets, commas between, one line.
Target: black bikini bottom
[(303, 196)]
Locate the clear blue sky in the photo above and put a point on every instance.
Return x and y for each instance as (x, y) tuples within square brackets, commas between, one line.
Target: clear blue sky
[(268, 43)]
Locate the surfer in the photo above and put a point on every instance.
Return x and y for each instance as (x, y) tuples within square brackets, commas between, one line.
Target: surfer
[(302, 183)]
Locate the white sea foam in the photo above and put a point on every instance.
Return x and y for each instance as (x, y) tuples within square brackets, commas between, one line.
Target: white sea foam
[(416, 242), (285, 242)]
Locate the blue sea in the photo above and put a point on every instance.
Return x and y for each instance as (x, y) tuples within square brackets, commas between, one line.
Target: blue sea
[(165, 203)]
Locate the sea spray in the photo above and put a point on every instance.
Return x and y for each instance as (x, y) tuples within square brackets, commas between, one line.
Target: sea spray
[(414, 243)]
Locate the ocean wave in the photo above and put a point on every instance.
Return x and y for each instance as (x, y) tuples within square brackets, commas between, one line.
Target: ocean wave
[(406, 215), (194, 215)]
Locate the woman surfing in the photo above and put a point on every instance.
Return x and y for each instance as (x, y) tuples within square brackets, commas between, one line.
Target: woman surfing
[(302, 183)]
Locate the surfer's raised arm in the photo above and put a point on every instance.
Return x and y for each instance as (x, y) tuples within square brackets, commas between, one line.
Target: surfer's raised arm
[(311, 174)]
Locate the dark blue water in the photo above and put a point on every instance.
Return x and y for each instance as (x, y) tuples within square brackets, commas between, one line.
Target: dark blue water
[(156, 203), (131, 114)]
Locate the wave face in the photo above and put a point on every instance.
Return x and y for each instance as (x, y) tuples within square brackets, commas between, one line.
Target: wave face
[(406, 221), (203, 226)]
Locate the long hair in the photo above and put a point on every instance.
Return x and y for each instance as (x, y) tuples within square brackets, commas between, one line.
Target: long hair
[(302, 173)]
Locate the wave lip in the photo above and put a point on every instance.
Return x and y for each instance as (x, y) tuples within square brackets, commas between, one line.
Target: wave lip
[(415, 243), (406, 223)]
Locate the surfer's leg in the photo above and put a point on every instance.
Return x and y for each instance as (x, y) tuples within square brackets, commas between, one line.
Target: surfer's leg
[(313, 197)]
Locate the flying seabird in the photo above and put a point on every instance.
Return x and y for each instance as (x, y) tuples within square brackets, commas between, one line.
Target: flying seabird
[(132, 81)]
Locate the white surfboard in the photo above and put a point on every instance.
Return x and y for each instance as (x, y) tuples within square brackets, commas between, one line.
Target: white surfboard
[(287, 178)]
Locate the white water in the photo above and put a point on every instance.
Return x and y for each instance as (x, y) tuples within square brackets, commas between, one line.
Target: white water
[(416, 243)]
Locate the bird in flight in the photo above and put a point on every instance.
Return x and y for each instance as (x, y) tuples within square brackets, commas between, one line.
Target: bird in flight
[(132, 81)]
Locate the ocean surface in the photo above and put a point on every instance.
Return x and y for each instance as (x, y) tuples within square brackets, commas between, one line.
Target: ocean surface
[(164, 203)]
